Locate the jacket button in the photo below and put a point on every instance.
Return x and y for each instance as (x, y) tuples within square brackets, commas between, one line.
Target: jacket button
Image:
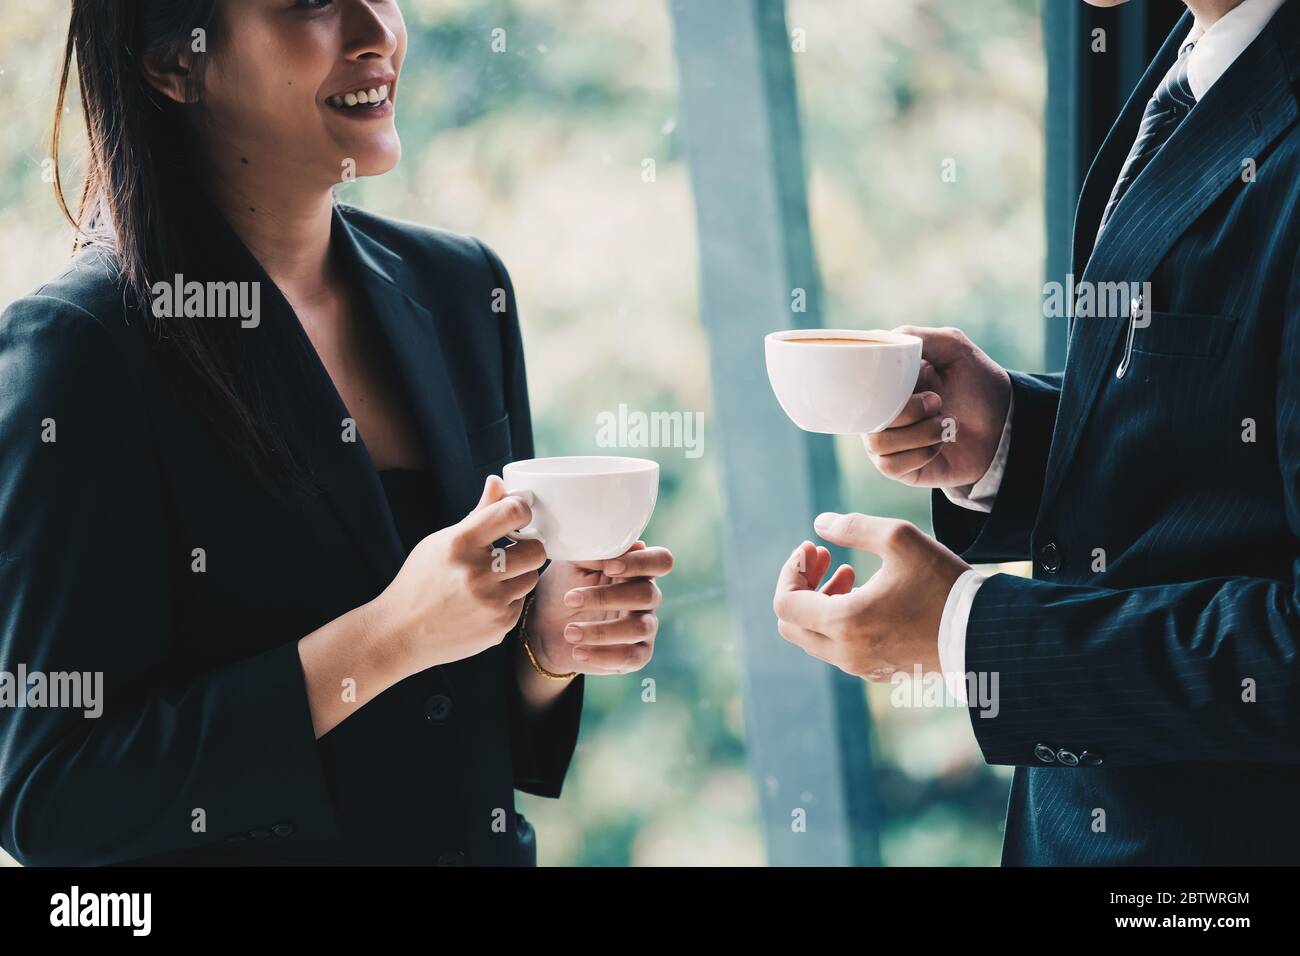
[(451, 858), (261, 833), (1067, 757), (437, 708), (1090, 759), (1045, 753), (1049, 557), (282, 829)]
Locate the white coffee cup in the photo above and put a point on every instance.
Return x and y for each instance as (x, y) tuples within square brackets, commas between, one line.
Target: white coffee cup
[(841, 388), (585, 507)]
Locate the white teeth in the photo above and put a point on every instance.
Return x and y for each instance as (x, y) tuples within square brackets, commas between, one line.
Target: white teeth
[(361, 97)]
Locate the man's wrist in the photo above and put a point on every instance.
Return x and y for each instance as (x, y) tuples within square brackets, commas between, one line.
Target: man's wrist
[(952, 630), (980, 495)]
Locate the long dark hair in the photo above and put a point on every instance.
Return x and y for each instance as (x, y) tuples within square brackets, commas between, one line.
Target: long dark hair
[(144, 197)]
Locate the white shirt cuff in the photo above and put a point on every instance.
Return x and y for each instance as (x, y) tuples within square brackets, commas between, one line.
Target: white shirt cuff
[(981, 495), (952, 631)]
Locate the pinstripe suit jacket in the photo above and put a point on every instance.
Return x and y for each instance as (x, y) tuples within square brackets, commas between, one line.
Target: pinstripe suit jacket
[(1149, 672)]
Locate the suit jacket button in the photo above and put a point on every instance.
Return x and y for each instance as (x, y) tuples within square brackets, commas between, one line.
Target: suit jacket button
[(1049, 557), (1067, 757), (282, 829), (261, 833), (1045, 753), (451, 858), (1090, 759), (437, 708)]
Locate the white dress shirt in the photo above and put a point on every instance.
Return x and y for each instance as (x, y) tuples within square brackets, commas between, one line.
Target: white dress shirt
[(1216, 49)]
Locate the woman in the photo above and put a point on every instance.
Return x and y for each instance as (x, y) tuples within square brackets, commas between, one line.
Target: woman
[(250, 441)]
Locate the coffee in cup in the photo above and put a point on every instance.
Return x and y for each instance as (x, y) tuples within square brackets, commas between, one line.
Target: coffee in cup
[(833, 341)]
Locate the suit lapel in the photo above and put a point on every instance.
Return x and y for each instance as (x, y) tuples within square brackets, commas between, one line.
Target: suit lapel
[(310, 407), (1109, 161), (1249, 107), (349, 478), (411, 332)]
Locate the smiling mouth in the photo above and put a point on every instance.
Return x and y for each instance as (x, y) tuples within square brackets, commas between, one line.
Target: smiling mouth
[(367, 98)]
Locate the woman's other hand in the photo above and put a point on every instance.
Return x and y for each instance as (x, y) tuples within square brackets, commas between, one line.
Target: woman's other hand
[(597, 617)]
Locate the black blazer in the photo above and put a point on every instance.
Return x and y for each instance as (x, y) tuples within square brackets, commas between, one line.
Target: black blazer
[(205, 718), (1151, 704)]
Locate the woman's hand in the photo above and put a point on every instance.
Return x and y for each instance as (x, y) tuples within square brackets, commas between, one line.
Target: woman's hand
[(597, 617), (457, 595)]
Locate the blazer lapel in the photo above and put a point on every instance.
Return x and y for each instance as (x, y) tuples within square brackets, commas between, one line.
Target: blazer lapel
[(1109, 161), (310, 406), (411, 331), (1249, 107)]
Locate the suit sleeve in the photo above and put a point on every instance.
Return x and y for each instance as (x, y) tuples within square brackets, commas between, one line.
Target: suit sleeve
[(1204, 670), (170, 761), (1003, 534), (542, 748)]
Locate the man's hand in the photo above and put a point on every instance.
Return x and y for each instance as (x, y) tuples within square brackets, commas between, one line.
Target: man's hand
[(890, 622), (947, 433)]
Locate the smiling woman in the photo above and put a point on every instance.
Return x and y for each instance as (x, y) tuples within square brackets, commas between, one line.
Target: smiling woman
[(276, 540)]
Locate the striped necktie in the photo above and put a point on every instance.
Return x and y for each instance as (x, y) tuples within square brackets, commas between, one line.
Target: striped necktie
[(1172, 101)]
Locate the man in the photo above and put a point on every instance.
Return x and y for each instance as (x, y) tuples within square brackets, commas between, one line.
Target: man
[(1147, 678)]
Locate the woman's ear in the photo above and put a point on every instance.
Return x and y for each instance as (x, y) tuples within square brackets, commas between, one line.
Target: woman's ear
[(169, 73)]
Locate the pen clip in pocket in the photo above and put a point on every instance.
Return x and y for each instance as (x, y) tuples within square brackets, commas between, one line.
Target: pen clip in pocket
[(1138, 317)]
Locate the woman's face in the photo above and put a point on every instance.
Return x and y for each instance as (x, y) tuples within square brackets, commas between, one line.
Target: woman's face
[(278, 88)]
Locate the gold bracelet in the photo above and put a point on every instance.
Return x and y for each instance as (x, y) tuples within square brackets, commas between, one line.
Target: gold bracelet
[(523, 639)]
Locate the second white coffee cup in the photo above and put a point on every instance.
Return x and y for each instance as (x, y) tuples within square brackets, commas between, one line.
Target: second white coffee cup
[(842, 381), (585, 507)]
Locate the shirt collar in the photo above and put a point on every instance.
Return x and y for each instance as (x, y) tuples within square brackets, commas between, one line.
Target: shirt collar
[(1218, 47)]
